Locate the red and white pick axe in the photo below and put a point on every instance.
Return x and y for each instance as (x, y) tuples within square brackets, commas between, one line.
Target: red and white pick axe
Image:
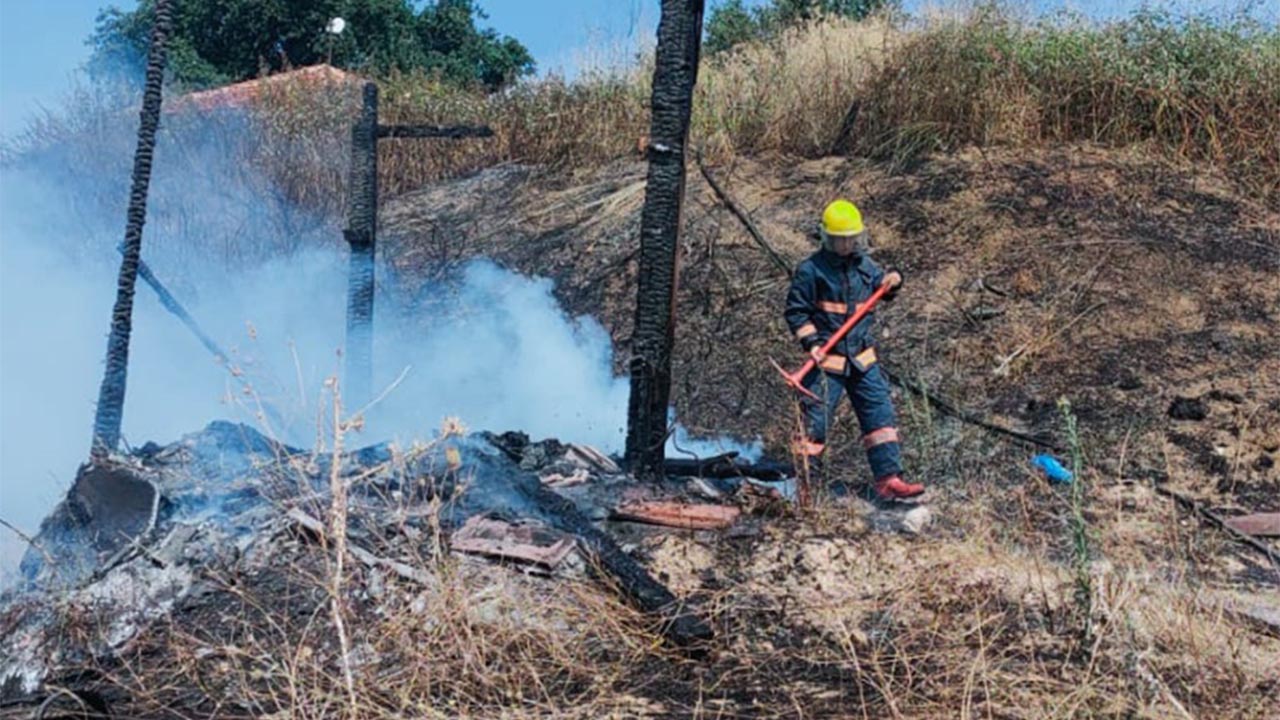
[(794, 379)]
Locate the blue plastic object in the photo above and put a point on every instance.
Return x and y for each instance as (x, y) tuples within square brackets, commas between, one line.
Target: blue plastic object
[(1052, 469)]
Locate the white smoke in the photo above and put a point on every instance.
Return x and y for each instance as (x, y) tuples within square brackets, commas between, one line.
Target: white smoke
[(492, 347), (505, 356)]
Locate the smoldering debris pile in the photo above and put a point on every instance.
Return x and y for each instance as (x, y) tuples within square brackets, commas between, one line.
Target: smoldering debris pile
[(138, 539)]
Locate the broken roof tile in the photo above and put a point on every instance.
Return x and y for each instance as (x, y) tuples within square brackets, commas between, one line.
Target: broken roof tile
[(528, 543)]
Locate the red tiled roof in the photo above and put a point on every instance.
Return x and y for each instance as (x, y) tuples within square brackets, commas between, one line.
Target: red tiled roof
[(245, 93)]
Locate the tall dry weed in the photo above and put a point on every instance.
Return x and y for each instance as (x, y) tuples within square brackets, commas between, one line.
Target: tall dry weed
[(1197, 88), (793, 93)]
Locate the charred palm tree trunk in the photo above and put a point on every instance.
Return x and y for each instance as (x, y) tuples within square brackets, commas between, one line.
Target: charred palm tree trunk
[(674, 75), (110, 409), (361, 234)]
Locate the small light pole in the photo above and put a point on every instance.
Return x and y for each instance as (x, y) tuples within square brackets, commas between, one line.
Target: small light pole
[(334, 29)]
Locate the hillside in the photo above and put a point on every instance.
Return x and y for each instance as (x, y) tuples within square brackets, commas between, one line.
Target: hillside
[(1128, 285), (1125, 282)]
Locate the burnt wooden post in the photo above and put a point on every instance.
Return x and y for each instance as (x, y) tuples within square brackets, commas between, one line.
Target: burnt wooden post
[(361, 234), (674, 75), (109, 414)]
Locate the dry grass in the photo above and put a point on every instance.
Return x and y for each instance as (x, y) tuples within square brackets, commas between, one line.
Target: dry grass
[(793, 94), (1195, 88), (811, 625), (1202, 90), (472, 644), (818, 616)]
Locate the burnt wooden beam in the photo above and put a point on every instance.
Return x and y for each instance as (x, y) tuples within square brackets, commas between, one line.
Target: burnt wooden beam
[(176, 308), (361, 235), (419, 132), (172, 304), (726, 468), (109, 414), (744, 218), (674, 75), (680, 624)]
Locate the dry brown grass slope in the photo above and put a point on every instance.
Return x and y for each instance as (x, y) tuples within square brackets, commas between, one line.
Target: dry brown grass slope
[(1110, 278)]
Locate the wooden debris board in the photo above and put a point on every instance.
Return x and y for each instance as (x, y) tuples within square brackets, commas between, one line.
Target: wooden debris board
[(527, 543), (591, 458), (1257, 524), (689, 516)]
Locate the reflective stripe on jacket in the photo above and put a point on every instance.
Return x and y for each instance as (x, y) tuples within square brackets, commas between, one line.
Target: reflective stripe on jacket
[(825, 290)]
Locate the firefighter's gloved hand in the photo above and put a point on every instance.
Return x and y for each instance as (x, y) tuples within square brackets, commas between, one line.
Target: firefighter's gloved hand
[(893, 279), (816, 353)]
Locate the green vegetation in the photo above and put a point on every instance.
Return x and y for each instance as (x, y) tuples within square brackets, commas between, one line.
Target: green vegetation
[(1187, 88), (220, 41), (1081, 555)]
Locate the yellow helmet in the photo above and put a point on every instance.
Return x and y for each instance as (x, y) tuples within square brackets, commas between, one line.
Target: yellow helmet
[(842, 219)]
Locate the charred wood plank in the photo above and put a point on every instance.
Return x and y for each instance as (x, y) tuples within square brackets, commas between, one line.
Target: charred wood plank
[(361, 235), (422, 132), (674, 75), (171, 303), (109, 414), (688, 516), (679, 623), (728, 468)]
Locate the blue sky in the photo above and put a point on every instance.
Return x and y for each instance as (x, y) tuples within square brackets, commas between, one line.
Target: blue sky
[(42, 42)]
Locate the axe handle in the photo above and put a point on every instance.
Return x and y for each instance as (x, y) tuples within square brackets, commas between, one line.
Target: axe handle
[(859, 312)]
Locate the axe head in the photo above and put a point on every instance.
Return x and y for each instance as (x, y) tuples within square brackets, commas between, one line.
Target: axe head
[(793, 380)]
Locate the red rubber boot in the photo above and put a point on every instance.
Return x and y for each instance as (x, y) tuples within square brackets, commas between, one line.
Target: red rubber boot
[(892, 488)]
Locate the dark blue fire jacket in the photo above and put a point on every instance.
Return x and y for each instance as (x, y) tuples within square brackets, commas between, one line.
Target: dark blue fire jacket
[(825, 290)]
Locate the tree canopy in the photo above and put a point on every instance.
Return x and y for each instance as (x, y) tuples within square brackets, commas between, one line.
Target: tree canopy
[(732, 22), (221, 41)]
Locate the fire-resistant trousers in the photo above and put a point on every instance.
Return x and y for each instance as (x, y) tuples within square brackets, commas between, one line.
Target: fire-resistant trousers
[(869, 393)]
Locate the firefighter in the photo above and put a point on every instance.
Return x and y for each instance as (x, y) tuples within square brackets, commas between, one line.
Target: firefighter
[(826, 288)]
